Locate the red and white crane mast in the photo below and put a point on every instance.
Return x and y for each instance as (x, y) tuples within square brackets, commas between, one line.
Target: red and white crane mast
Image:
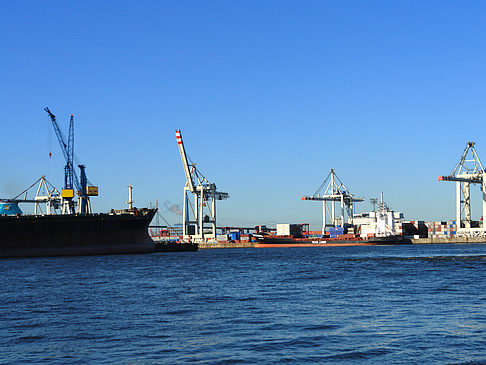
[(185, 164), (205, 194)]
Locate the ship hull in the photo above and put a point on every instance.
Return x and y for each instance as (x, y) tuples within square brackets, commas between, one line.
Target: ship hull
[(275, 241), (67, 235)]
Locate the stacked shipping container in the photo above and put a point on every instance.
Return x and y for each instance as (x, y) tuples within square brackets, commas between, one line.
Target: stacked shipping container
[(418, 229), (441, 229)]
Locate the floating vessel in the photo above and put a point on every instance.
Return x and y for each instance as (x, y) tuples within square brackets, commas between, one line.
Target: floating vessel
[(76, 230), (375, 228), (46, 233), (117, 232), (291, 241)]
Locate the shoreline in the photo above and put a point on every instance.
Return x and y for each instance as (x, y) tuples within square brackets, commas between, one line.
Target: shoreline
[(414, 241)]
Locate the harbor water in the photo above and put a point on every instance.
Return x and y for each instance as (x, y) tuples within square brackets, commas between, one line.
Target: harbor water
[(391, 304)]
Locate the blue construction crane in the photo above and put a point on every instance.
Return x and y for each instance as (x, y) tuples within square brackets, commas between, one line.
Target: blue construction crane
[(71, 179)]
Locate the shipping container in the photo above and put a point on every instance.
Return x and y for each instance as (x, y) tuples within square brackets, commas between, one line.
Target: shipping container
[(222, 238)]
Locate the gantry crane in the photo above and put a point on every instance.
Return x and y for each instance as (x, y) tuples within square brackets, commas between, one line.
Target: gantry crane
[(84, 189), (46, 194), (468, 170), (332, 190), (194, 217)]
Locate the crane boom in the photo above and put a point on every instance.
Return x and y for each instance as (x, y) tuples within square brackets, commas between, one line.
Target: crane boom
[(67, 149), (70, 165), (185, 164), (59, 134)]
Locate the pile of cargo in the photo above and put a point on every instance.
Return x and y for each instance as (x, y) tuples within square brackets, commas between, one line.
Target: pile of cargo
[(441, 229), (222, 238), (296, 230), (314, 234), (337, 231), (165, 234), (234, 236), (417, 229), (245, 237)]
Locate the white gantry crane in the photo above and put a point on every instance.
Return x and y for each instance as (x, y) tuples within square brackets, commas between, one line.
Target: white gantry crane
[(468, 170), (333, 191), (46, 194), (194, 217)]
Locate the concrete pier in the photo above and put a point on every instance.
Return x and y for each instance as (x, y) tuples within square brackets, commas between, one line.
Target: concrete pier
[(226, 245), (167, 246), (177, 247), (449, 240)]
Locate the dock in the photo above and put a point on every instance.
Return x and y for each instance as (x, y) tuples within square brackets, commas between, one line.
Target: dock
[(456, 240), (169, 246), (227, 245)]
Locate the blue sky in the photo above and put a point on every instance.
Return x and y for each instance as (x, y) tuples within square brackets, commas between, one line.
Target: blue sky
[(269, 97)]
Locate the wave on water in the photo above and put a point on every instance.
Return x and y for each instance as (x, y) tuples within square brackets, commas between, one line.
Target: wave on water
[(426, 258), (395, 304)]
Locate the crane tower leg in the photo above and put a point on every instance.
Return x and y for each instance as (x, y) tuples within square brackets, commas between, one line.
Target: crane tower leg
[(342, 211), (213, 218), (351, 212), (467, 205), (200, 213), (184, 215), (324, 206), (483, 192), (196, 214), (333, 213), (458, 205)]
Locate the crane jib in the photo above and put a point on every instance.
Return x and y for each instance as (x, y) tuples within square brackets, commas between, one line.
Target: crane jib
[(71, 180), (185, 164)]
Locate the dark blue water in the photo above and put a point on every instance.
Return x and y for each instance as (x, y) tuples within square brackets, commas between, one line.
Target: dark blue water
[(402, 304)]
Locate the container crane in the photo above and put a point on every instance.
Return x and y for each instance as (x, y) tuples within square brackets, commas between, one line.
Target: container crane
[(71, 180), (332, 190), (46, 194), (205, 194), (468, 170)]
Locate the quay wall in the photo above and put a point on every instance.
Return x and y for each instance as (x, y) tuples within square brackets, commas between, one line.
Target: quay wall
[(430, 240), (173, 247), (226, 245), (416, 241), (166, 246)]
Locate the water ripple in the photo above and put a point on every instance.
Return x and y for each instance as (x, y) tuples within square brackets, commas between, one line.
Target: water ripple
[(419, 304)]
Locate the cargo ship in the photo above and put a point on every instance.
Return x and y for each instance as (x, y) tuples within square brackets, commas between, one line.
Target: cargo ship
[(73, 232), (268, 240), (67, 226), (117, 232), (375, 228)]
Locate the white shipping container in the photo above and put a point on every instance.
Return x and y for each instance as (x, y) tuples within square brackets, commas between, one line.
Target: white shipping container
[(283, 229)]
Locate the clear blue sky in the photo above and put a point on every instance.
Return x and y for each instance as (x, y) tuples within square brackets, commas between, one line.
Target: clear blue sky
[(269, 95)]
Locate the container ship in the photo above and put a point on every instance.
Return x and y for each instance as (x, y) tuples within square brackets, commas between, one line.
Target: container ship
[(268, 240), (375, 228)]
